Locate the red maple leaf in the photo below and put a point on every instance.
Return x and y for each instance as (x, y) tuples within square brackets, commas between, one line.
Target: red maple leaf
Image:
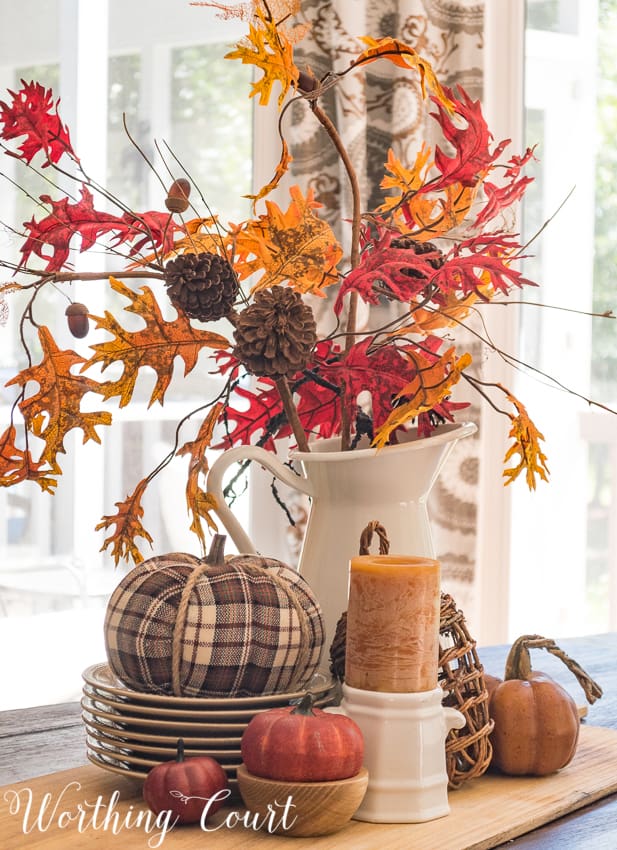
[(501, 197), (56, 229), (33, 114), (261, 421), (67, 219), (398, 273), (489, 260), (383, 372), (470, 140), (153, 230)]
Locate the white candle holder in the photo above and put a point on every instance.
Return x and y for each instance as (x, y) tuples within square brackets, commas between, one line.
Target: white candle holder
[(404, 739)]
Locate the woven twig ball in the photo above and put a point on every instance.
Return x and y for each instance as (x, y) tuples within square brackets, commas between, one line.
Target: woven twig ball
[(249, 626)]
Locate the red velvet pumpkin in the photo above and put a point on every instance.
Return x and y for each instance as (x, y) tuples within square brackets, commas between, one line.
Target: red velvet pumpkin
[(302, 744), (185, 786)]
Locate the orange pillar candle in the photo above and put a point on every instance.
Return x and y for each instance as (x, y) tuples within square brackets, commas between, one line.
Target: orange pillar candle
[(392, 635)]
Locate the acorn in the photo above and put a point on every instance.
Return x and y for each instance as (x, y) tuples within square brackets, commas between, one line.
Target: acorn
[(307, 83), (177, 200), (77, 319)]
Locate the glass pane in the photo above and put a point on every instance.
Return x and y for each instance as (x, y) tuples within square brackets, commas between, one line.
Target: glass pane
[(567, 551), (167, 81), (553, 15)]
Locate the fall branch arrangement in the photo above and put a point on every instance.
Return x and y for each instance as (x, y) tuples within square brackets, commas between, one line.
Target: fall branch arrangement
[(433, 245)]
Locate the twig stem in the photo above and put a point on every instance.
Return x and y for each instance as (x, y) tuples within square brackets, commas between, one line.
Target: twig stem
[(292, 413), (354, 255)]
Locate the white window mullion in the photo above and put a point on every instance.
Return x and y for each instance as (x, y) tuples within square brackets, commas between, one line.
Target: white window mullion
[(504, 33), (83, 90)]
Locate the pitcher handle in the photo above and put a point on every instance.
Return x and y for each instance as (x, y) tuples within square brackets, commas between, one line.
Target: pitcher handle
[(214, 485)]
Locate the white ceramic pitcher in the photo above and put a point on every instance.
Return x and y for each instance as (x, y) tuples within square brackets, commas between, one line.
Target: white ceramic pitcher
[(348, 490)]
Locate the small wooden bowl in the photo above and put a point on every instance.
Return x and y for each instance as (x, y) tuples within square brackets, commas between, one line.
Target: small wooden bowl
[(319, 807)]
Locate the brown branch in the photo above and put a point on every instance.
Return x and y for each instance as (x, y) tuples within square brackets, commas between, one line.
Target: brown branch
[(354, 254), (291, 412)]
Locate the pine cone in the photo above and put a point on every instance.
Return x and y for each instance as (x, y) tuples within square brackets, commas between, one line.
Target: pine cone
[(418, 248), (203, 286), (275, 335)]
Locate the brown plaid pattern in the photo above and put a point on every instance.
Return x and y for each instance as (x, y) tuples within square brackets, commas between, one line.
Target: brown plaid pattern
[(242, 635)]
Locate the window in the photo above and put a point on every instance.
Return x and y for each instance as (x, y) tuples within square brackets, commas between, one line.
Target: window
[(160, 72), (564, 548)]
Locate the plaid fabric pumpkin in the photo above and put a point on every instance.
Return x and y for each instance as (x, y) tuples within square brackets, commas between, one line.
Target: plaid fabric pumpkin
[(242, 635)]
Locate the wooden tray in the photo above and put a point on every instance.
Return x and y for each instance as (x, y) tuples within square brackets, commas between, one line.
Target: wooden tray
[(485, 813)]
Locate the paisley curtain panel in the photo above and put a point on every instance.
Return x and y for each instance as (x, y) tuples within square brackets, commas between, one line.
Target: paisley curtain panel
[(378, 109)]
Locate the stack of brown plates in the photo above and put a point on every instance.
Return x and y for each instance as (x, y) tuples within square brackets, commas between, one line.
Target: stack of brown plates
[(129, 732)]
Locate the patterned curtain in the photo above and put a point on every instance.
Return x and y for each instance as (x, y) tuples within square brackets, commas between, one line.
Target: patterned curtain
[(374, 110)]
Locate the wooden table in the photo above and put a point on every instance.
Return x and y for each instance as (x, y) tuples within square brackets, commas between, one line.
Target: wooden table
[(43, 740)]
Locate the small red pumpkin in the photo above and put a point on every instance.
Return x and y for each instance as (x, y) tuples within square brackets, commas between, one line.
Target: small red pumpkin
[(302, 744), (185, 786)]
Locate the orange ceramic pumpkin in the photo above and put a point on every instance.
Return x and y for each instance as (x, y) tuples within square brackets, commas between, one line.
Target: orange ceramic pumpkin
[(536, 720)]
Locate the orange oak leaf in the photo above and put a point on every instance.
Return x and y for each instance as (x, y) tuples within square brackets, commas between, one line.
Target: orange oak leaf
[(526, 444), (452, 310), (404, 181), (435, 215), (200, 503), (281, 170), (17, 465), (155, 346), (293, 246), (55, 409), (432, 382), (268, 48), (128, 527), (404, 56)]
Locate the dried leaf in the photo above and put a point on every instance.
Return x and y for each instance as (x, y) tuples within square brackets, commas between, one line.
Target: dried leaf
[(17, 465), (280, 172), (155, 346), (293, 246), (128, 527), (33, 114), (470, 137), (432, 382), (55, 409), (404, 56), (199, 503), (405, 181), (66, 220), (397, 273), (526, 445), (267, 47)]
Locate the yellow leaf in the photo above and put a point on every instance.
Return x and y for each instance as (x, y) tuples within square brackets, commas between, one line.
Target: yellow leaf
[(293, 246), (404, 180), (268, 48), (404, 56), (432, 383), (526, 445)]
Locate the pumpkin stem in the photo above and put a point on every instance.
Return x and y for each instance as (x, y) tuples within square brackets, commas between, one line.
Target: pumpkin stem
[(216, 555), (518, 663), (305, 706), (180, 750)]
